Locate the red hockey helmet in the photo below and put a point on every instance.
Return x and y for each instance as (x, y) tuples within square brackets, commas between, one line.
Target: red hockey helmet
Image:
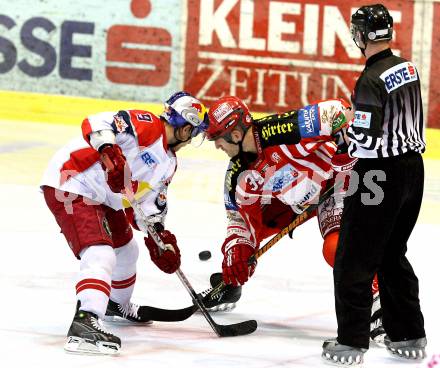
[(225, 114)]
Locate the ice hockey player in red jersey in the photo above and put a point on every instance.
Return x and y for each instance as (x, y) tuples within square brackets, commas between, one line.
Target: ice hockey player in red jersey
[(85, 198), (279, 164)]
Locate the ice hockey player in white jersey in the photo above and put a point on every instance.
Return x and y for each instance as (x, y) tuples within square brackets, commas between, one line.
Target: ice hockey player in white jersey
[(86, 201)]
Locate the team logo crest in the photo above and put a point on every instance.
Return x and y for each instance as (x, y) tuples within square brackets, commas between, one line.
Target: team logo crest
[(276, 157), (120, 124)]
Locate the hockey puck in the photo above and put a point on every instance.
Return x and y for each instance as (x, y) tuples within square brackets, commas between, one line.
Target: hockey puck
[(204, 255)]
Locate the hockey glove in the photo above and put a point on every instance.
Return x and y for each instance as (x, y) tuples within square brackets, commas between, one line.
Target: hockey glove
[(236, 252), (343, 162), (116, 168), (166, 260)]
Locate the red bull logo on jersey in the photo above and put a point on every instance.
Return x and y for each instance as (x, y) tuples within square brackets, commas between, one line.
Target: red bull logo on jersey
[(398, 76)]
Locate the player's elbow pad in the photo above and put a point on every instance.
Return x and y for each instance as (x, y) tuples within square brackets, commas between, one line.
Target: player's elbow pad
[(101, 138)]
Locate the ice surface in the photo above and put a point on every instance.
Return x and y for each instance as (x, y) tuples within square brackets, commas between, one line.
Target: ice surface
[(290, 295)]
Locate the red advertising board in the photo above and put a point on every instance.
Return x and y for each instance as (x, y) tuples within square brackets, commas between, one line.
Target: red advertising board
[(278, 55)]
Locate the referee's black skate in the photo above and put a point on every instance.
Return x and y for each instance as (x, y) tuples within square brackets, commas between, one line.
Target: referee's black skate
[(87, 336), (408, 349), (223, 300), (129, 312), (336, 353)]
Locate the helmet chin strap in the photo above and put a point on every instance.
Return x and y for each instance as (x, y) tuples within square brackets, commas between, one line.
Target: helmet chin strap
[(178, 140), (240, 147), (246, 157), (360, 47)]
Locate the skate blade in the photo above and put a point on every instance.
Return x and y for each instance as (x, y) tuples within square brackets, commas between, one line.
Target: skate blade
[(123, 321), (77, 345), (329, 360), (225, 307), (410, 354)]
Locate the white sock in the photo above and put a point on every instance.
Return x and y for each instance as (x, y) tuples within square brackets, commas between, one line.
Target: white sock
[(124, 273), (94, 279)]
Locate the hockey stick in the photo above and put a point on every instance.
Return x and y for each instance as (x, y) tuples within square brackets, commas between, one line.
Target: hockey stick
[(169, 315), (236, 329), (299, 220)]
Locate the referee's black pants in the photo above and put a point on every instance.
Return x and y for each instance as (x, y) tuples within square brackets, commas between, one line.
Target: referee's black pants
[(373, 239)]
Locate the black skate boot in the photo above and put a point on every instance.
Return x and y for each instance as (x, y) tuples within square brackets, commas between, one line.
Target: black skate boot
[(129, 312), (377, 332), (407, 349), (224, 300), (338, 354), (87, 336)]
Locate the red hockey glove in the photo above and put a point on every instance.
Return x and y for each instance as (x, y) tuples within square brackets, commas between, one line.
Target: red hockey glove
[(236, 252), (115, 165), (169, 260), (343, 162), (342, 165)]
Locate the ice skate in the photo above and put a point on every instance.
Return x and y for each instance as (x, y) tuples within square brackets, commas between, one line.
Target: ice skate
[(409, 349), (336, 353), (224, 300), (87, 336), (129, 312)]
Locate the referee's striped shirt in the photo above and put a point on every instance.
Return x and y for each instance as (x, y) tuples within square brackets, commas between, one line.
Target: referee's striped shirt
[(388, 109)]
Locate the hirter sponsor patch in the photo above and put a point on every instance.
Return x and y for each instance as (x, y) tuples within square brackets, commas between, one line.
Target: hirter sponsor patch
[(399, 75)]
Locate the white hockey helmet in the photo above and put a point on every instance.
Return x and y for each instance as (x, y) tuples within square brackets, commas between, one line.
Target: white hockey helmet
[(182, 108)]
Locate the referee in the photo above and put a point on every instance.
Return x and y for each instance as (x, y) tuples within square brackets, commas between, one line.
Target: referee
[(387, 137)]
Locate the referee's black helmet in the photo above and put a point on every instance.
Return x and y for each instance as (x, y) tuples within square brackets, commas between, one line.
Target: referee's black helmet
[(371, 23)]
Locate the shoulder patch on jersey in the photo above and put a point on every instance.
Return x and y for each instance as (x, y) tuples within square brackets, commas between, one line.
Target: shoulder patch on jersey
[(399, 75), (119, 124), (122, 123), (278, 129), (309, 121), (362, 119)]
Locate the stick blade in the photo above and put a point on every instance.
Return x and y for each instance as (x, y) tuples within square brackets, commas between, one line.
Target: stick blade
[(169, 315), (237, 329)]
